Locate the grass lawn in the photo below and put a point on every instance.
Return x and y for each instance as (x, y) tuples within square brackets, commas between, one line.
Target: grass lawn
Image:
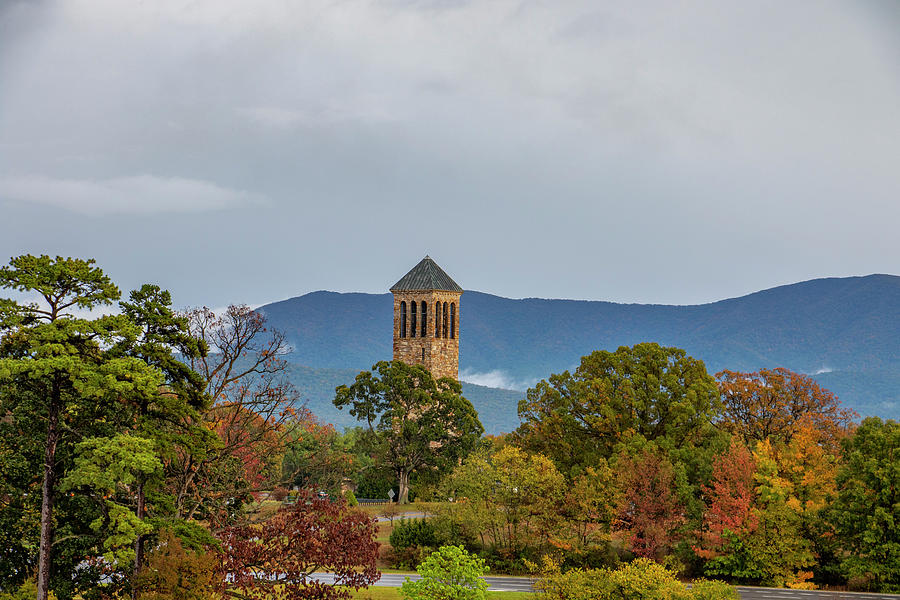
[(392, 593)]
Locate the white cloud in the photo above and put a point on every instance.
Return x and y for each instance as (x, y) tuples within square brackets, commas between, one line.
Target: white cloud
[(135, 195), (496, 379)]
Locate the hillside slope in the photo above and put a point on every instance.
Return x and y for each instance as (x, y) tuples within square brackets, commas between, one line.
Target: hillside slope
[(846, 328)]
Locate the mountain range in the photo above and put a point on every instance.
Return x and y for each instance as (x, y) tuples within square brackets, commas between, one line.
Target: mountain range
[(843, 331)]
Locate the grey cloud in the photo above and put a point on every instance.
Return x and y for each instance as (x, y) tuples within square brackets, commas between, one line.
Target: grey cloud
[(667, 152)]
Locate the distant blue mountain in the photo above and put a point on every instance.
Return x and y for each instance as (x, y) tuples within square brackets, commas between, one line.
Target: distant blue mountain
[(496, 407), (846, 331)]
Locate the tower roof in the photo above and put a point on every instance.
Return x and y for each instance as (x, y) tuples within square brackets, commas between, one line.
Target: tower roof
[(426, 276)]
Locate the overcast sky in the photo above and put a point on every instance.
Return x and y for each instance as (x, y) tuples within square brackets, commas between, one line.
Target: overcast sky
[(250, 151)]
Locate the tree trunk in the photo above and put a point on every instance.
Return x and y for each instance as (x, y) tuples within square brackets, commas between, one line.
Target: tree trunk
[(403, 484), (139, 542), (48, 493)]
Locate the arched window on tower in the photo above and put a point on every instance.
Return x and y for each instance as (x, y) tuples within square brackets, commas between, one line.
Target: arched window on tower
[(424, 319), (444, 322), (437, 319), (412, 318), (452, 320), (403, 319)]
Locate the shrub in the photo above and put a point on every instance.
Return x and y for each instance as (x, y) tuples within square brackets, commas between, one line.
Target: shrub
[(641, 579), (644, 579), (597, 556), (574, 584), (706, 589), (26, 591), (451, 533), (449, 572), (413, 532), (351, 498), (411, 541), (173, 572), (503, 562), (279, 494), (409, 558)]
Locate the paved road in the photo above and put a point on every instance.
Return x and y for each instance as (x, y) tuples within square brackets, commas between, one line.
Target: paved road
[(497, 584), (757, 593), (523, 584)]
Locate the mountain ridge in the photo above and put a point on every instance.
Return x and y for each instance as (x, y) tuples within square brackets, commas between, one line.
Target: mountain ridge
[(841, 327)]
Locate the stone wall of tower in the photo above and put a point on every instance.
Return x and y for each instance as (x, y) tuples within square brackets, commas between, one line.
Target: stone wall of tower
[(439, 355)]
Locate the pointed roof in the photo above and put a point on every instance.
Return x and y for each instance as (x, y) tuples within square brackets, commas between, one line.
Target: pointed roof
[(426, 276)]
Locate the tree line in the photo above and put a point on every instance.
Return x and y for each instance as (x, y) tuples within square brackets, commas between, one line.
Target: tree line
[(136, 450), (755, 478), (131, 445)]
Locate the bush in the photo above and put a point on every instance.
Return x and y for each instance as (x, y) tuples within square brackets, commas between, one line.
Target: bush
[(641, 579), (644, 579), (351, 498), (173, 572), (502, 562), (451, 533), (279, 494), (26, 591), (411, 541), (413, 532), (574, 584), (409, 558), (450, 572), (598, 556), (706, 589)]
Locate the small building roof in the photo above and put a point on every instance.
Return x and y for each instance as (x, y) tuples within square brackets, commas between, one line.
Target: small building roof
[(426, 276)]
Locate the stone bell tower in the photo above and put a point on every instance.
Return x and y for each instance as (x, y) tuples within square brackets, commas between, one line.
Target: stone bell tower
[(426, 319)]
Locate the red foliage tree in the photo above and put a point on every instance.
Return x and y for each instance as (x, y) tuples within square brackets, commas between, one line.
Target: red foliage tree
[(651, 511), (274, 559), (730, 500)]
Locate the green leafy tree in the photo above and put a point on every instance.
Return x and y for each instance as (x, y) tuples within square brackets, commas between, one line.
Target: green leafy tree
[(317, 455), (648, 391), (109, 467), (60, 382), (587, 509), (866, 513), (413, 420), (449, 573), (171, 416), (510, 497)]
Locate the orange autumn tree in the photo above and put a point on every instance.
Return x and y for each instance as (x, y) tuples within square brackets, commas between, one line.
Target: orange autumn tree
[(255, 445), (752, 528), (774, 404)]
